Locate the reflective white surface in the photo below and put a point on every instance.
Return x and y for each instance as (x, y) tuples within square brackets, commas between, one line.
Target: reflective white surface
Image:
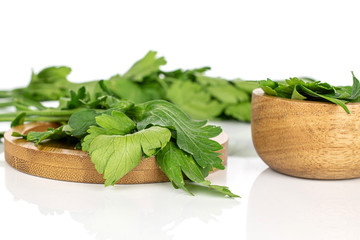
[(273, 206)]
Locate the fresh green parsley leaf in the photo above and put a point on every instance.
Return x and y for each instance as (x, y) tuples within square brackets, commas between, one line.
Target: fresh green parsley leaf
[(17, 134), (191, 136), (174, 162), (246, 86), (76, 100), (51, 133), (145, 66), (117, 123), (116, 155), (180, 74), (192, 99), (355, 93), (330, 99), (81, 121), (18, 120), (239, 111), (49, 84), (223, 90), (298, 89), (296, 95), (268, 87), (126, 89)]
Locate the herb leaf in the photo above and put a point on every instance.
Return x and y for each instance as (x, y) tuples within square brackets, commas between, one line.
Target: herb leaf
[(51, 133), (116, 155), (174, 162), (81, 121), (18, 120), (355, 93), (295, 88), (330, 99), (144, 67), (191, 136), (193, 100), (239, 111), (117, 123)]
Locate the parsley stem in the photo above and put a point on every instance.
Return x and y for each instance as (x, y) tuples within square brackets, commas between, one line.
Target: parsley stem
[(5, 94), (6, 104), (34, 119), (46, 113)]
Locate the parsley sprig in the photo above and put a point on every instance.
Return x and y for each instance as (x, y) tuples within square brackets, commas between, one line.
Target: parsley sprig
[(117, 133), (307, 89), (200, 96)]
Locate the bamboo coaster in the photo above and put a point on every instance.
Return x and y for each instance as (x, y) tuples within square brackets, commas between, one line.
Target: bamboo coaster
[(60, 161)]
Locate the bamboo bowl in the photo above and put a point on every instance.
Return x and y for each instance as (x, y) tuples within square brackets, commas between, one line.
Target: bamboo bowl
[(306, 139), (58, 160)]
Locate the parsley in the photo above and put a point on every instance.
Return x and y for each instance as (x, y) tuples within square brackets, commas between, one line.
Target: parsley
[(117, 133), (191, 136), (200, 96), (308, 89)]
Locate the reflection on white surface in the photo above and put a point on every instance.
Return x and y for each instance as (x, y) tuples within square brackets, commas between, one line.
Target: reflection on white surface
[(2, 158), (119, 212), (283, 207)]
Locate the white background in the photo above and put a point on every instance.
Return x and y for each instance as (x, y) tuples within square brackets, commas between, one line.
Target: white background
[(248, 39)]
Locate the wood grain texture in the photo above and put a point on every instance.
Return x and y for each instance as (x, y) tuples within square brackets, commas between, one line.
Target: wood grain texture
[(58, 160), (306, 139)]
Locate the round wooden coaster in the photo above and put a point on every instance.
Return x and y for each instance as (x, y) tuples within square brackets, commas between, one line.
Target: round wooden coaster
[(57, 160)]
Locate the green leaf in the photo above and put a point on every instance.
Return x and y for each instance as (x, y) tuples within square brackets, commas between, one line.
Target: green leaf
[(180, 74), (93, 132), (117, 123), (239, 111), (339, 102), (343, 92), (296, 95), (228, 94), (49, 84), (168, 161), (192, 99), (119, 105), (144, 67), (355, 93), (116, 155), (210, 81), (81, 121), (51, 133), (246, 86), (295, 81), (268, 86), (174, 162), (17, 134), (52, 74), (299, 89), (126, 89), (18, 120), (76, 100), (285, 91), (191, 136)]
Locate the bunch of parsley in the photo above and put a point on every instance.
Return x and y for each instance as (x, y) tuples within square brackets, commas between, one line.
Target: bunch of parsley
[(200, 96), (308, 89), (117, 133)]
